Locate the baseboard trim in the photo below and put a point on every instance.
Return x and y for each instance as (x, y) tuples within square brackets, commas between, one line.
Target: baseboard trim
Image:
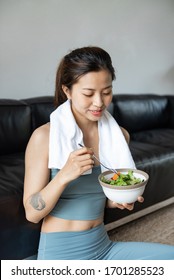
[(139, 214)]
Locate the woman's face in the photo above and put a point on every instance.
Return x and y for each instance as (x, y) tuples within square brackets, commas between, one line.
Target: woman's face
[(90, 95)]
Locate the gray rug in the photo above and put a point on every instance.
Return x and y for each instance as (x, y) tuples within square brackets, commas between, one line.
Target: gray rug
[(155, 227)]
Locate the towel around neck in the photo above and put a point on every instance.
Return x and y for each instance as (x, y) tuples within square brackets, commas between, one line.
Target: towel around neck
[(65, 135)]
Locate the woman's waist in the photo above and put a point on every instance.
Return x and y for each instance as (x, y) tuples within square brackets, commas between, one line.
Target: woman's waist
[(55, 224)]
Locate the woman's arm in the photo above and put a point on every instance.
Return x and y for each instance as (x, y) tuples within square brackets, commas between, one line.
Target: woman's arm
[(40, 194)]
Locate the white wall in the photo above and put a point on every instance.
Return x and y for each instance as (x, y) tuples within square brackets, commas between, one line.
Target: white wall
[(35, 34)]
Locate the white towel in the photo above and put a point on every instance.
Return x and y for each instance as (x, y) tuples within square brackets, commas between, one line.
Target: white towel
[(65, 136)]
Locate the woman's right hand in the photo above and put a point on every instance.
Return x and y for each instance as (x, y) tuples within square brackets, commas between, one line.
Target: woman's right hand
[(79, 161)]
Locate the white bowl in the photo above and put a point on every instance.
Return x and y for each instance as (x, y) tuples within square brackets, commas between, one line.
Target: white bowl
[(124, 194)]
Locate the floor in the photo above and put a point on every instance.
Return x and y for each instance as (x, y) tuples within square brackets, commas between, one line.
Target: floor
[(155, 227)]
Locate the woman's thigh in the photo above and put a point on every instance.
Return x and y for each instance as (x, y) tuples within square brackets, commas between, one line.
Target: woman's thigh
[(139, 251)]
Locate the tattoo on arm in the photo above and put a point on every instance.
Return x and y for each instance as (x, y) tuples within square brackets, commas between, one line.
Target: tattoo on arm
[(37, 202)]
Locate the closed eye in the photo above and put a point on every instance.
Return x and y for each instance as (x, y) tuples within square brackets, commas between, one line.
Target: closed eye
[(88, 95), (107, 93)]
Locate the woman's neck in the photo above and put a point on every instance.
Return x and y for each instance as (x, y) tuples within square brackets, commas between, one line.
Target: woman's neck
[(91, 139)]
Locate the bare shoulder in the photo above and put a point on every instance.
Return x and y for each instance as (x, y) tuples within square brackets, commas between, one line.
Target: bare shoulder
[(126, 134), (39, 139), (41, 134)]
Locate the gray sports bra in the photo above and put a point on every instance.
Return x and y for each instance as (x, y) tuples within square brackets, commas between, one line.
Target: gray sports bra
[(83, 198)]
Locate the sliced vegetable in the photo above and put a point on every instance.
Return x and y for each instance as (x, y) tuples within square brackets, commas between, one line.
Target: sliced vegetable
[(122, 179), (115, 177)]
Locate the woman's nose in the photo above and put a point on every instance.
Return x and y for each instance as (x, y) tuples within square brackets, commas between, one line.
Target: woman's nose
[(98, 100)]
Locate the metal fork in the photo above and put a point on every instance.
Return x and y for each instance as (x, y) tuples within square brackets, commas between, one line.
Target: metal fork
[(111, 169)]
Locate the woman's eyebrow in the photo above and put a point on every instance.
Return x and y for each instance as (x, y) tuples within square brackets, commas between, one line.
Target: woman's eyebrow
[(110, 86)]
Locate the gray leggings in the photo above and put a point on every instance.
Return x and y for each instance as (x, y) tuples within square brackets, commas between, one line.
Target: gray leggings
[(94, 244)]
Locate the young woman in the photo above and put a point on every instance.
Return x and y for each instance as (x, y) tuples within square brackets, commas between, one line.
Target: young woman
[(61, 185)]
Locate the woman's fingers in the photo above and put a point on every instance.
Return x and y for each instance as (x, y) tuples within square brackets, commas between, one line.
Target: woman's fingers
[(128, 206), (123, 206), (82, 158), (140, 199)]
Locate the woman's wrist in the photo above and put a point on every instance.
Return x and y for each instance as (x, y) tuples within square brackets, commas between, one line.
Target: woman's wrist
[(62, 179)]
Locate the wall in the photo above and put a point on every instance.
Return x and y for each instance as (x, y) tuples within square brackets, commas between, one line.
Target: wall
[(35, 34)]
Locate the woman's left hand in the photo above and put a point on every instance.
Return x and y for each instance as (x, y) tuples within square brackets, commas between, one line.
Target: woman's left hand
[(112, 204)]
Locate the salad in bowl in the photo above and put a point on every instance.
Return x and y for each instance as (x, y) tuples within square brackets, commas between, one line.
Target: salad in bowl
[(125, 186)]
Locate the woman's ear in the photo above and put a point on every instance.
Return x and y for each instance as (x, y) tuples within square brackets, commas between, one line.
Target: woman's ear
[(66, 90)]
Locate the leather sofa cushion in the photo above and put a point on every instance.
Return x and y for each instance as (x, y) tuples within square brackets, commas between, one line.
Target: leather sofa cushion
[(141, 112), (20, 237), (160, 137), (15, 122), (146, 153), (12, 215), (11, 174), (19, 241)]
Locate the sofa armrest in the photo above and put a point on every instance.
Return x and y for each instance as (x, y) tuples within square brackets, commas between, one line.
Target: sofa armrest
[(41, 108), (15, 126)]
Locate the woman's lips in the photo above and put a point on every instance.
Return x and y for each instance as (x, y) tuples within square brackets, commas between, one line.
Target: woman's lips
[(96, 112)]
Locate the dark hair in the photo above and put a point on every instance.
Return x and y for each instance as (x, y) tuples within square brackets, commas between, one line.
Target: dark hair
[(78, 63)]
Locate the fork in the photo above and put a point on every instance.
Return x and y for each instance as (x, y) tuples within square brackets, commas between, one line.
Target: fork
[(111, 169)]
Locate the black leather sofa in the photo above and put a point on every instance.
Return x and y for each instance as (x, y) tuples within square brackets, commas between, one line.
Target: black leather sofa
[(149, 119)]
